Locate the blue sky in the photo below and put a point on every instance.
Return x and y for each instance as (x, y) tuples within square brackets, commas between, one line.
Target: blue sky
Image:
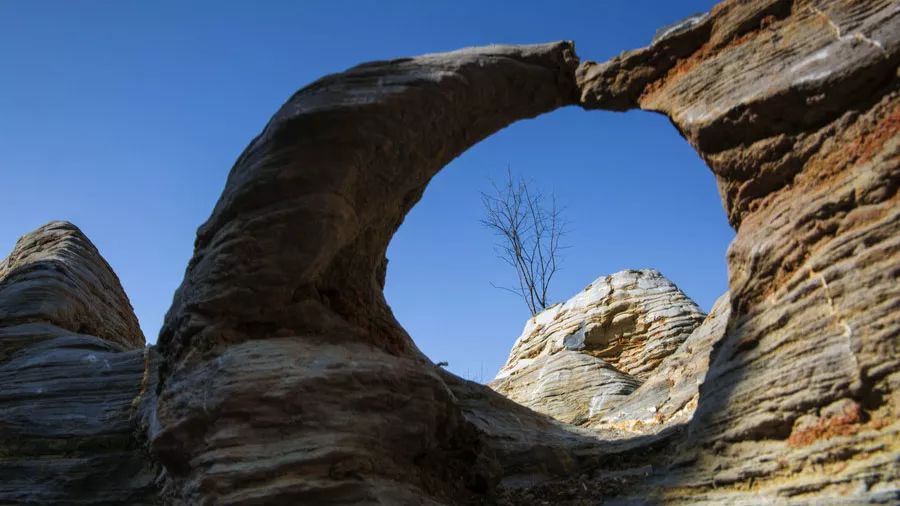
[(125, 117)]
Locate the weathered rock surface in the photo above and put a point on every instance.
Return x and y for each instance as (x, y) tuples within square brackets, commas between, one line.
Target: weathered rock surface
[(575, 360), (71, 409), (55, 276), (670, 394), (285, 378), (570, 386), (806, 165), (794, 106)]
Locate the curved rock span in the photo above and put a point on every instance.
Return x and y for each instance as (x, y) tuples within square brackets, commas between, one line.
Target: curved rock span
[(284, 377)]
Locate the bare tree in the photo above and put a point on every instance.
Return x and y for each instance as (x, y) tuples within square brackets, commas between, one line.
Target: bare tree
[(529, 230)]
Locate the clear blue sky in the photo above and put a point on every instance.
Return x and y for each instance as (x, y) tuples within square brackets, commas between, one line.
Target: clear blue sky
[(125, 117)]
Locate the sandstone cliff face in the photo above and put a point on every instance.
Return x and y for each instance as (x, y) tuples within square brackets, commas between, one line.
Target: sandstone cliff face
[(72, 372), (285, 378), (577, 359)]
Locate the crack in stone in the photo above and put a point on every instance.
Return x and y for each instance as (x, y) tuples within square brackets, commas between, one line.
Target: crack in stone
[(857, 36), (848, 331), (145, 379)]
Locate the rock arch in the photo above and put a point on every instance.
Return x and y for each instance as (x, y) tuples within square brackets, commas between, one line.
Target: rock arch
[(285, 377), (292, 258)]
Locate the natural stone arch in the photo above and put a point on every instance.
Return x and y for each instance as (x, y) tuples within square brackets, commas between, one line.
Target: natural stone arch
[(286, 379), (312, 203), (284, 290)]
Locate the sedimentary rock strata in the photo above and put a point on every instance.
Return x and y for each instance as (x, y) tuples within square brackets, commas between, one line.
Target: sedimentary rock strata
[(72, 373), (280, 336), (577, 359), (670, 394), (283, 376), (794, 106), (55, 276)]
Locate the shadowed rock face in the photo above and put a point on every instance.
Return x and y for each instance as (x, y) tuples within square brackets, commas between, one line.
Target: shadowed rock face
[(55, 276), (285, 378), (280, 348), (296, 243), (72, 373)]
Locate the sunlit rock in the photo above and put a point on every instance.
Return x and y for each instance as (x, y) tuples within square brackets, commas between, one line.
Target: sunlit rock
[(577, 359)]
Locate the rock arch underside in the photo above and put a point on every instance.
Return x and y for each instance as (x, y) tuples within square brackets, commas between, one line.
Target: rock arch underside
[(282, 377)]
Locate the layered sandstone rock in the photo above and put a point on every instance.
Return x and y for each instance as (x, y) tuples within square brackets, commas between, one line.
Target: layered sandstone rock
[(285, 378), (670, 394), (54, 276), (794, 106), (577, 359), (72, 373)]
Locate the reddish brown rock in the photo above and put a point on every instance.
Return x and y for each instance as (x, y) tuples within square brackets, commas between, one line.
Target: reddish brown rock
[(794, 107)]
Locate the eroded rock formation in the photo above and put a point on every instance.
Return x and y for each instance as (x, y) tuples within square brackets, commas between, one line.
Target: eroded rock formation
[(670, 394), (280, 348), (73, 370), (54, 277), (794, 106), (576, 360), (284, 377)]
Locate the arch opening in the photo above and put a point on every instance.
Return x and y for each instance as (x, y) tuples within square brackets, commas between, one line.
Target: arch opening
[(643, 200)]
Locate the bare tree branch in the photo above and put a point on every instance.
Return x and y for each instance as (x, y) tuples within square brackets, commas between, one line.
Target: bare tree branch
[(528, 235)]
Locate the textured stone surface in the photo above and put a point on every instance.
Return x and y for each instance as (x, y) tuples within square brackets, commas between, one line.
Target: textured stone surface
[(308, 421), (794, 106), (285, 378), (669, 395), (55, 276), (576, 359), (569, 386), (71, 404), (280, 337)]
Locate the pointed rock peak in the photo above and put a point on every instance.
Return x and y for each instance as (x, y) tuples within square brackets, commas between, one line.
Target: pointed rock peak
[(56, 276)]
